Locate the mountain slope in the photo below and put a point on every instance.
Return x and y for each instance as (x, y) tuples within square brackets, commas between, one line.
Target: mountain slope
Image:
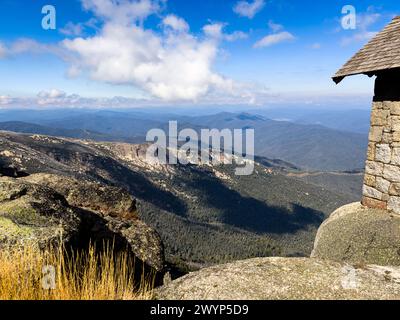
[(204, 214)]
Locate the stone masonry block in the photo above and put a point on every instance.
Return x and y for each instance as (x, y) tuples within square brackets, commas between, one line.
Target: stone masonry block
[(394, 107), (370, 180), (382, 185), (391, 173), (394, 189), (383, 153), (379, 117), (372, 193), (395, 156), (374, 168), (375, 134), (373, 203)]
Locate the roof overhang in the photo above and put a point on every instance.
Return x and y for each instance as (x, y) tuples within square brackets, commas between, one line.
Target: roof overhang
[(338, 78), (380, 54)]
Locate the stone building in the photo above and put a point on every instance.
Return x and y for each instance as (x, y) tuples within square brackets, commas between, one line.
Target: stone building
[(381, 58)]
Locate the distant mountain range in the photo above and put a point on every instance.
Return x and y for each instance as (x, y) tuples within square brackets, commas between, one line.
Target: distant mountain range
[(356, 120), (311, 147), (299, 140), (24, 127)]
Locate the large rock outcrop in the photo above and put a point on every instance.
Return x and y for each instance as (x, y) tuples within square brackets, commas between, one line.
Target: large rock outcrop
[(35, 214), (47, 209), (106, 200), (357, 234), (285, 278)]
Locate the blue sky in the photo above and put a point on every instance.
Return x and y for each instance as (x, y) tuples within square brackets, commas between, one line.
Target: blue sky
[(159, 52)]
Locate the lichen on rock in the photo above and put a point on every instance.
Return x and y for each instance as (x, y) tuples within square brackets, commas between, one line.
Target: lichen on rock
[(357, 234), (34, 214), (48, 210), (285, 279)]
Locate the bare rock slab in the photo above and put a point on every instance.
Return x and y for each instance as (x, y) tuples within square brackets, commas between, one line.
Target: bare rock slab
[(357, 234), (285, 278)]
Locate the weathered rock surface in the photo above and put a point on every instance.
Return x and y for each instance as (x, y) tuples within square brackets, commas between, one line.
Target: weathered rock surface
[(35, 214), (42, 208), (285, 278), (106, 200), (358, 234)]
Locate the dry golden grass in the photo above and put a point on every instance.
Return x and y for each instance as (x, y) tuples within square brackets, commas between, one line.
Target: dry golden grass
[(88, 275)]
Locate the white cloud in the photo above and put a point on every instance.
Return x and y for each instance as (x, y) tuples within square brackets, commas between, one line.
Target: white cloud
[(278, 35), (275, 27), (25, 45), (364, 22), (273, 39), (52, 94), (54, 98), (170, 66), (72, 29), (242, 94), (5, 100), (216, 31), (236, 35), (78, 29), (57, 97), (245, 94), (123, 11), (363, 36), (176, 23), (249, 9)]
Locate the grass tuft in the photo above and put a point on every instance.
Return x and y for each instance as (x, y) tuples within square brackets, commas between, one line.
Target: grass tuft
[(30, 274)]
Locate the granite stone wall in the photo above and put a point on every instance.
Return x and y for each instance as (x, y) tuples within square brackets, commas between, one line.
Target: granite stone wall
[(382, 171)]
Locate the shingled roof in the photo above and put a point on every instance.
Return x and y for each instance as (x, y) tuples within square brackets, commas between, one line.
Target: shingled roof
[(381, 53)]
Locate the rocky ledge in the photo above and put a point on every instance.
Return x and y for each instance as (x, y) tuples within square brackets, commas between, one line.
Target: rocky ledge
[(46, 210), (285, 278)]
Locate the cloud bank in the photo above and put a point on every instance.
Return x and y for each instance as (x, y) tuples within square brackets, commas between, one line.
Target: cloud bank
[(170, 65)]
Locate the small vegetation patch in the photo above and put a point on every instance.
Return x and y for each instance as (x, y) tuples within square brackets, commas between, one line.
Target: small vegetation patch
[(30, 274)]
